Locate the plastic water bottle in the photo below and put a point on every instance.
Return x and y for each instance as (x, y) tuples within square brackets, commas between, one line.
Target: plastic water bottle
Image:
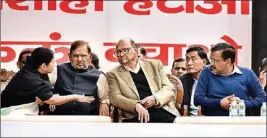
[(185, 110), (199, 112), (263, 109), (233, 108), (241, 108)]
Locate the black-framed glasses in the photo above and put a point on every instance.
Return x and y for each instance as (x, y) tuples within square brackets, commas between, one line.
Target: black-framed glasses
[(214, 60), (123, 50)]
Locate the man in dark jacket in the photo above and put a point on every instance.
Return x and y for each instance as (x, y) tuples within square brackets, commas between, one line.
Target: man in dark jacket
[(78, 77), (196, 60)]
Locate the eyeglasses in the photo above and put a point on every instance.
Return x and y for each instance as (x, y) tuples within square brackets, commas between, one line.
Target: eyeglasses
[(123, 50), (213, 60)]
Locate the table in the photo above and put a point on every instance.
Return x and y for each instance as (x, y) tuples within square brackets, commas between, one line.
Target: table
[(185, 127)]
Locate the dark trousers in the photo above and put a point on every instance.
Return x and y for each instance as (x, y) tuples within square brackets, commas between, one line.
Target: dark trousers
[(156, 116)]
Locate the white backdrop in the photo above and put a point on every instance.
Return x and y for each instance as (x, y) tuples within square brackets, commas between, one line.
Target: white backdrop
[(49, 24)]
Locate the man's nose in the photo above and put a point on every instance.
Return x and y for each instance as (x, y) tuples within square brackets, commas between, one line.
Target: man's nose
[(79, 58), (189, 62), (120, 55)]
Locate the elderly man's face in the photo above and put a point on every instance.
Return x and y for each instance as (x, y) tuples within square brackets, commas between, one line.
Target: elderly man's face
[(80, 58), (125, 52)]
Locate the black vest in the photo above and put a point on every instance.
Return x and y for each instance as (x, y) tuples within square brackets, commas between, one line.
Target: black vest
[(71, 81), (142, 86)]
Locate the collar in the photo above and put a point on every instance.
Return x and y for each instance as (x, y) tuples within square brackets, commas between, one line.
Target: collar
[(236, 70), (137, 68)]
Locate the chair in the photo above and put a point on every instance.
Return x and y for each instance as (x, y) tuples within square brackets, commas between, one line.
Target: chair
[(115, 114), (179, 94)]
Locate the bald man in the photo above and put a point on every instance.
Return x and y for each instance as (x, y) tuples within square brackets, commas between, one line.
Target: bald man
[(140, 87)]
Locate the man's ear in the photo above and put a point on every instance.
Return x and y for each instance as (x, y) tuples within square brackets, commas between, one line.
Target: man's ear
[(18, 65), (205, 61), (172, 71), (228, 61), (136, 49), (43, 66), (90, 58), (69, 56)]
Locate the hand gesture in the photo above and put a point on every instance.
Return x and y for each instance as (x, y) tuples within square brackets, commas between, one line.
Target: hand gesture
[(226, 101), (148, 101), (143, 115), (104, 109), (39, 101), (52, 107), (86, 99)]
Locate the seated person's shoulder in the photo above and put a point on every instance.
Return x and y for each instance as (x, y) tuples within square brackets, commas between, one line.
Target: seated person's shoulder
[(186, 75), (114, 70), (154, 62), (184, 78), (149, 60), (245, 70), (64, 65), (207, 68), (248, 73)]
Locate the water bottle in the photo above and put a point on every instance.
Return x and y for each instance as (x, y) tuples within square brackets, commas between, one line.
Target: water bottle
[(233, 108), (185, 110), (199, 112), (241, 108), (263, 109)]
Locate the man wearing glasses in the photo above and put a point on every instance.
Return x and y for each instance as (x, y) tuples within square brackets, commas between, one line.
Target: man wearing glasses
[(140, 87), (223, 82), (78, 77)]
